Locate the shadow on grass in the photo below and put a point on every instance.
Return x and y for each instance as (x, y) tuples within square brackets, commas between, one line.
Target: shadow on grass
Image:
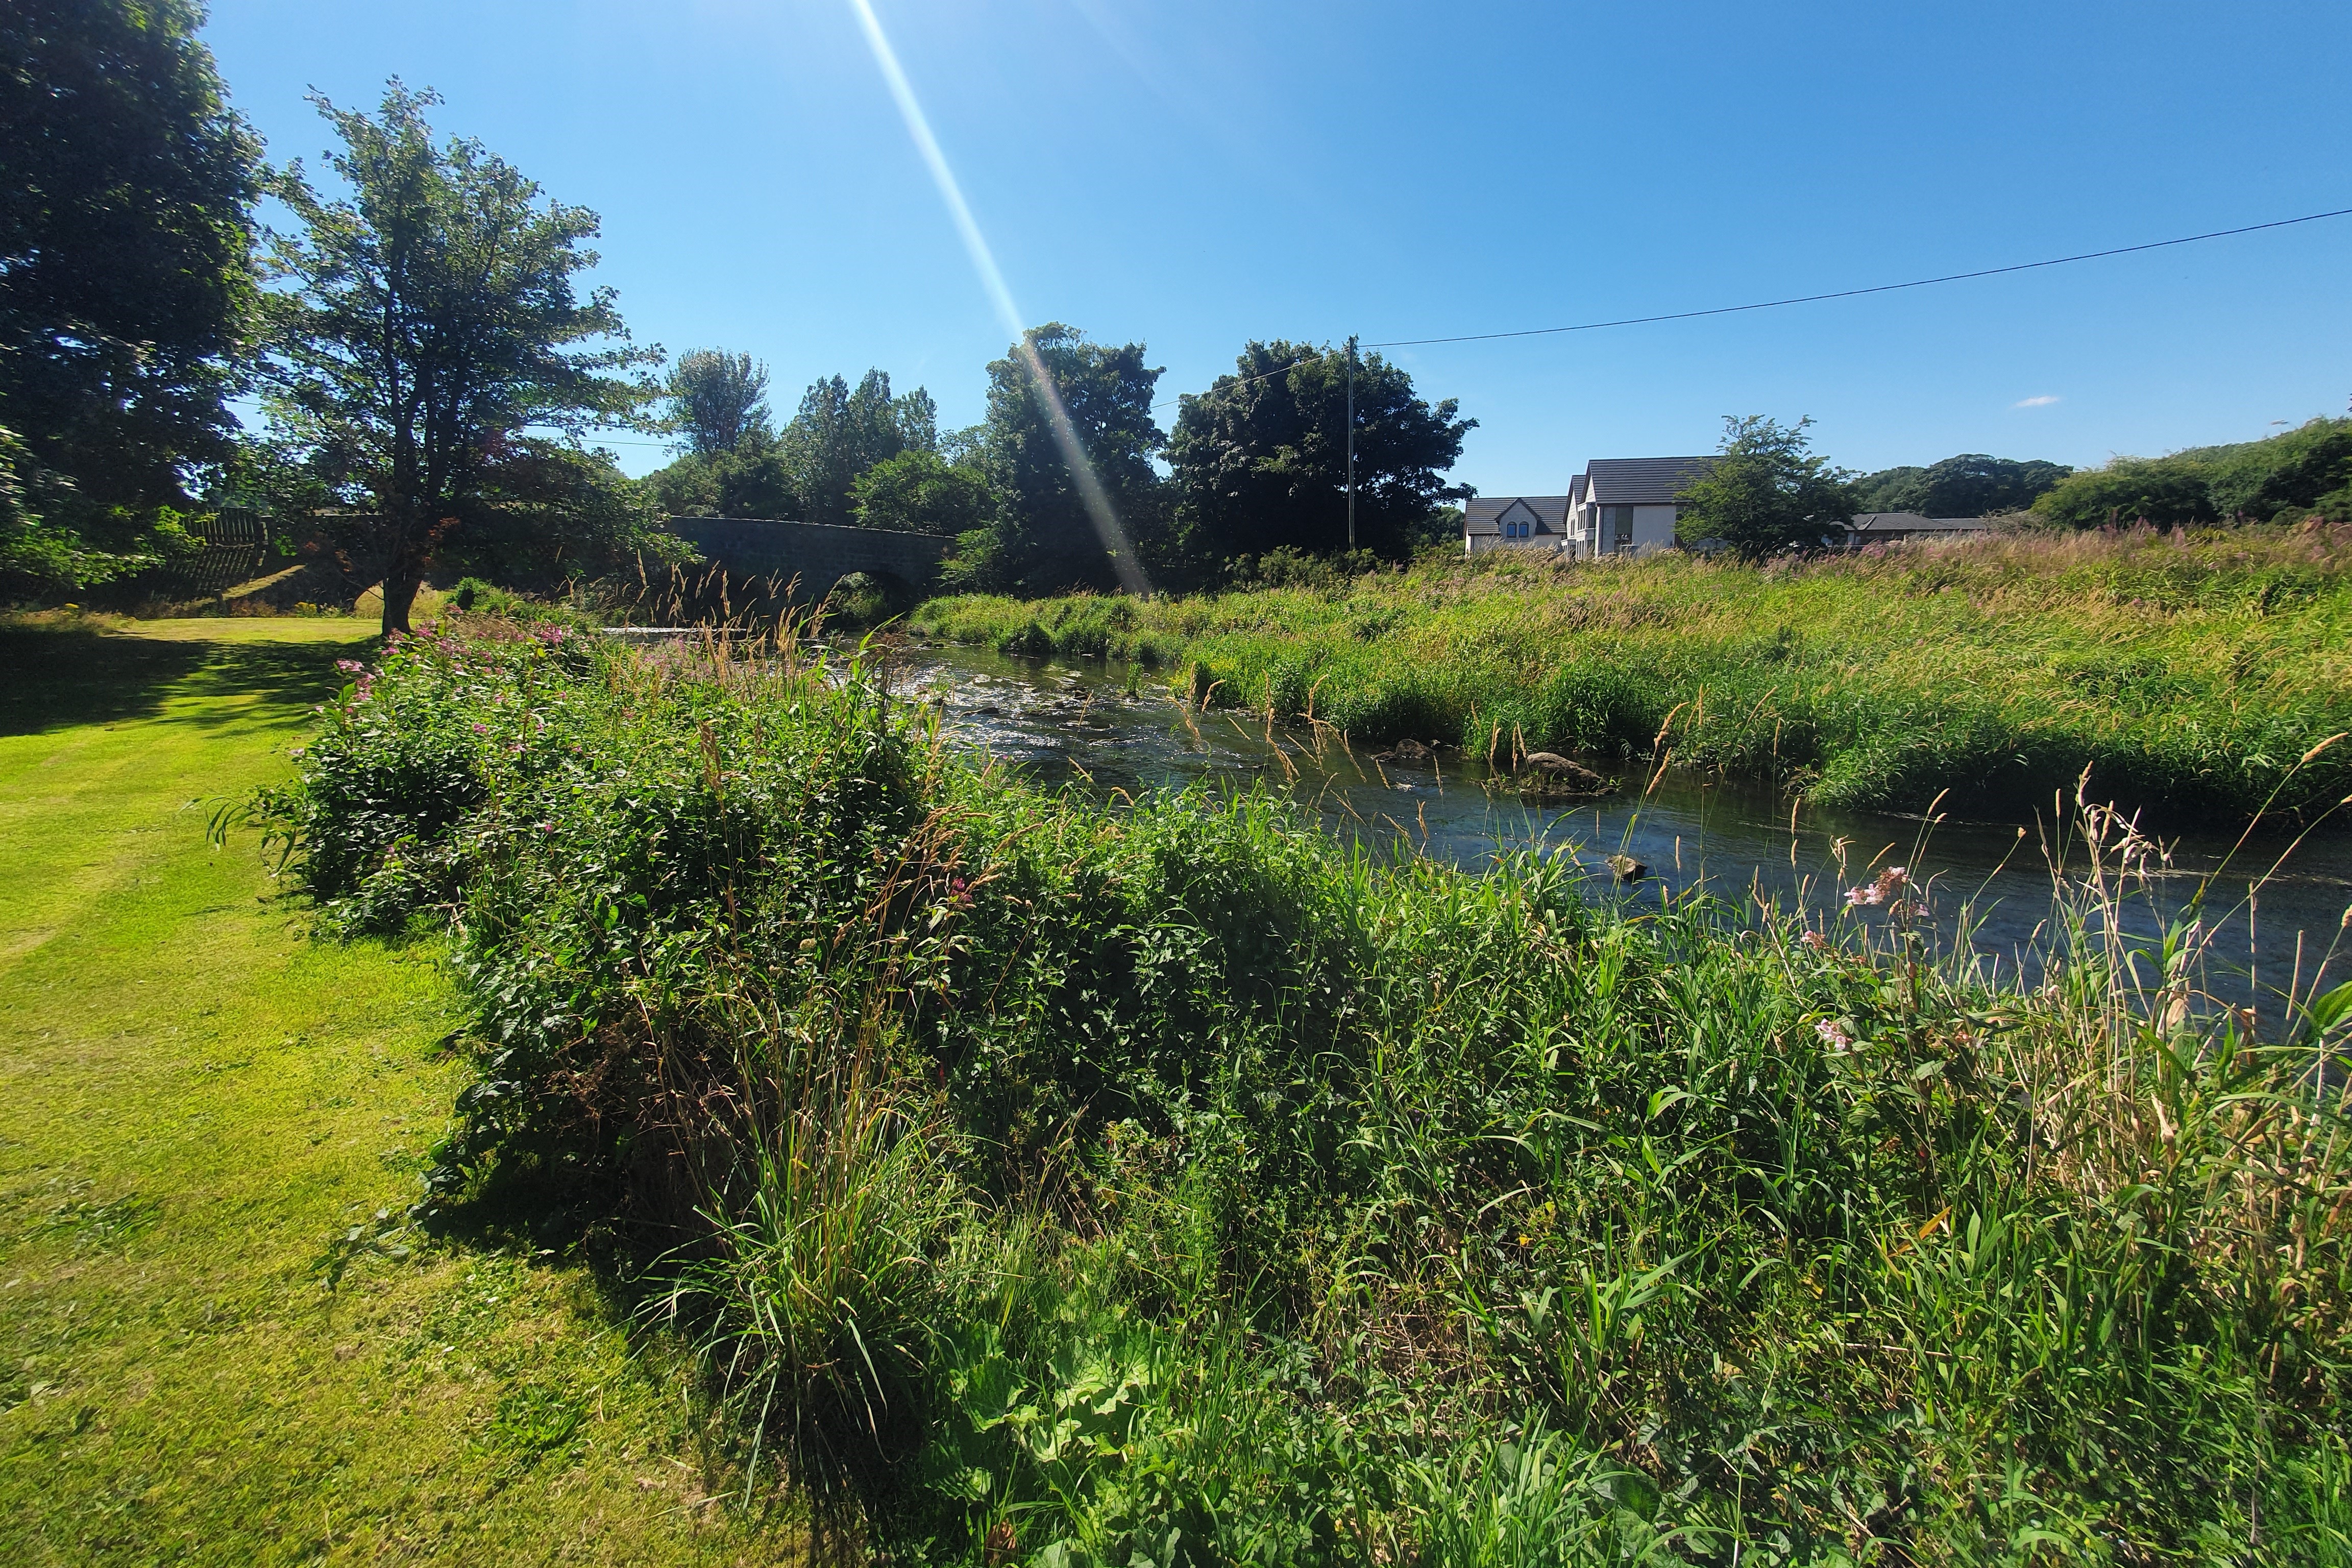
[(52, 677), (286, 680), (55, 677), (526, 1206)]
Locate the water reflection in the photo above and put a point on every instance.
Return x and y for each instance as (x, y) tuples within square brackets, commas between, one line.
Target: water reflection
[(2275, 923)]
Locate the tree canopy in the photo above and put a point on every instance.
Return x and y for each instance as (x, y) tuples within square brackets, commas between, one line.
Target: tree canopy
[(839, 432), (1046, 532), (1971, 485), (1260, 458), (125, 275), (719, 401), (2166, 491), (919, 491), (426, 326), (2300, 470), (1767, 494), (2300, 473)]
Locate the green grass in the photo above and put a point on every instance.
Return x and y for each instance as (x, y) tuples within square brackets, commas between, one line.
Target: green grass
[(2188, 675), (1037, 1181), (198, 1106)]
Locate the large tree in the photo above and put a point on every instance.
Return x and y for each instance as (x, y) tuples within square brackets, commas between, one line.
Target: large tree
[(427, 323), (1261, 458), (1767, 494), (125, 273), (719, 402), (839, 432), (1068, 445)]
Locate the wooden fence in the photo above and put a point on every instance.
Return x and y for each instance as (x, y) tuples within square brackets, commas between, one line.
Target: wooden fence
[(236, 548)]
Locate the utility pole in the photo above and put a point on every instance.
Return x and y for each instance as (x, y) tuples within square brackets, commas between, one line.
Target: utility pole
[(1351, 441)]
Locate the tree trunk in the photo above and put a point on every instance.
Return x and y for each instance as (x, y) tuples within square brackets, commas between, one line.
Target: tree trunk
[(403, 570), (400, 585)]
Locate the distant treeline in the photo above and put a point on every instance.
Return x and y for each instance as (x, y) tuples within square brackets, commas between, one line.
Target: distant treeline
[(2297, 474), (1257, 463), (2302, 473)]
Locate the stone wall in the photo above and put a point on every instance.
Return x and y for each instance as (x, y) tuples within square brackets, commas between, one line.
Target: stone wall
[(819, 554)]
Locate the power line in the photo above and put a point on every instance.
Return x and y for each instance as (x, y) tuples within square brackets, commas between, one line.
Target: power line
[(1224, 385), (1776, 304), (1855, 293)]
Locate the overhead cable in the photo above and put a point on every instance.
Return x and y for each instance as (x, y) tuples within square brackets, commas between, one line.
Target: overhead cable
[(1855, 293)]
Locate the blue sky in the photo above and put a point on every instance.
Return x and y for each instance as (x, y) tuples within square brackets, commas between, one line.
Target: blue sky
[(1194, 175)]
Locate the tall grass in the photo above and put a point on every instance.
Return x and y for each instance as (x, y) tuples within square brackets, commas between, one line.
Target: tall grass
[(1047, 1183), (2188, 673)]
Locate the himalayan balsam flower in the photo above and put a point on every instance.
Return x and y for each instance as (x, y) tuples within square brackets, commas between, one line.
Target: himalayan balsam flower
[(1815, 941), (1873, 895), (1837, 1039)]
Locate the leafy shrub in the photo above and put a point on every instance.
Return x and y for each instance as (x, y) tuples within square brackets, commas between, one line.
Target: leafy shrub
[(2165, 491)]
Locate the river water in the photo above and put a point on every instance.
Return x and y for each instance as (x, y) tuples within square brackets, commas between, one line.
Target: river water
[(2274, 910)]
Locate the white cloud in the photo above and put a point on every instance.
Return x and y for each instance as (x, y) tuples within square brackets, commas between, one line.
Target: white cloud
[(2044, 401)]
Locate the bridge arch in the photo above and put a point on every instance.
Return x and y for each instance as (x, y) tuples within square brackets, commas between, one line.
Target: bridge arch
[(817, 554)]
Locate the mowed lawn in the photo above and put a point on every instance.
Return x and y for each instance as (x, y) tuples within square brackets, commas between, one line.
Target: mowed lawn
[(198, 1104)]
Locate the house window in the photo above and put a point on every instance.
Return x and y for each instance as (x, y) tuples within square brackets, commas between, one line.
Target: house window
[(1618, 522)]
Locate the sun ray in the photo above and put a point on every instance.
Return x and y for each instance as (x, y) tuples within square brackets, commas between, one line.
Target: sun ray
[(1091, 493)]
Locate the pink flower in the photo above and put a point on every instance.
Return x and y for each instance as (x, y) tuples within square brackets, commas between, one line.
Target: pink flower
[(350, 665), (1890, 883), (1837, 1039), (1815, 941)]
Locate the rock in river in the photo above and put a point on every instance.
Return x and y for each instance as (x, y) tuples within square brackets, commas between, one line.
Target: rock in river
[(1549, 773)]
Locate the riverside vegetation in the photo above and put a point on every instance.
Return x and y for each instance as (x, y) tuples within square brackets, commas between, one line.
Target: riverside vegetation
[(1042, 1182), (2189, 671)]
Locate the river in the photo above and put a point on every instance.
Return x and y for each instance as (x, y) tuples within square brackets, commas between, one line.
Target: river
[(2274, 911)]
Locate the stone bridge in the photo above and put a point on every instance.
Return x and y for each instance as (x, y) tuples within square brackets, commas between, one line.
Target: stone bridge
[(818, 554)]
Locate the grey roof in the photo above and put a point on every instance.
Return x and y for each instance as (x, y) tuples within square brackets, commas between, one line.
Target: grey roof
[(1641, 482), (1913, 522), (1576, 491), (1483, 514)]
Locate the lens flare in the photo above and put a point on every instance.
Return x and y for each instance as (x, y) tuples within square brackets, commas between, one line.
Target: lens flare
[(1091, 493)]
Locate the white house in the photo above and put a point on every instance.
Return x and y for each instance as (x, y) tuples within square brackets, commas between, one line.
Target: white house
[(1500, 522), (1626, 505)]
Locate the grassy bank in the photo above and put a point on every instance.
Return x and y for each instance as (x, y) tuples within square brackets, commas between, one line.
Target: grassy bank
[(203, 1113), (1037, 1183), (2189, 675)]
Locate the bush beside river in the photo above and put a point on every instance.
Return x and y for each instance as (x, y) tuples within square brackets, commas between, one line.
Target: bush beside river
[(1041, 1180), (2189, 672)]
